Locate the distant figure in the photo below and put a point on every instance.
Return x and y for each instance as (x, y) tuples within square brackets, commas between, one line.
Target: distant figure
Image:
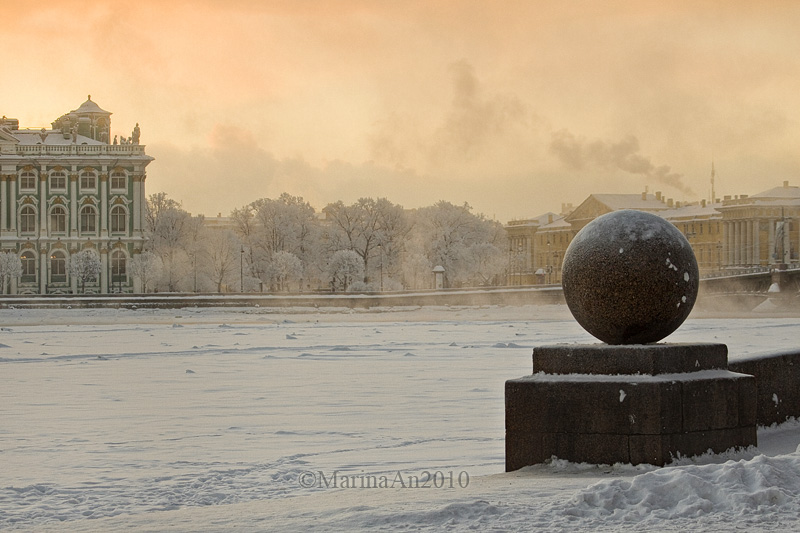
[(135, 135), (115, 139)]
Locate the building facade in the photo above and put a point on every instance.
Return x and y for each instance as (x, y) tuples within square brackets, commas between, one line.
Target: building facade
[(734, 234), (66, 189)]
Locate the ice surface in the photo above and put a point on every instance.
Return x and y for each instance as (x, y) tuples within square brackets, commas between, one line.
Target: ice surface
[(115, 419)]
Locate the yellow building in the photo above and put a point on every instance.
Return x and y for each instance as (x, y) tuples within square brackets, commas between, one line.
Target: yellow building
[(736, 233), (763, 229)]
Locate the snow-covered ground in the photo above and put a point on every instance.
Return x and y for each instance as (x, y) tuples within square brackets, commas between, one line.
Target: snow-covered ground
[(215, 419)]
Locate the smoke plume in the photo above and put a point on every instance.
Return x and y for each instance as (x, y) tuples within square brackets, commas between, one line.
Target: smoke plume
[(579, 153)]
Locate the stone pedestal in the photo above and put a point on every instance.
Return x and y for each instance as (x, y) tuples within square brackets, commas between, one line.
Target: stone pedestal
[(627, 404)]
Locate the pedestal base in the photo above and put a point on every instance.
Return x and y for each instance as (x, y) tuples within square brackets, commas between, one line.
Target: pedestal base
[(638, 414)]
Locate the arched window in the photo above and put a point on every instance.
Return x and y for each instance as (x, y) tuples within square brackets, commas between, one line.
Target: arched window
[(119, 180), (58, 180), (88, 219), (58, 267), (27, 220), (88, 180), (119, 272), (27, 181), (58, 220), (28, 267), (118, 219)]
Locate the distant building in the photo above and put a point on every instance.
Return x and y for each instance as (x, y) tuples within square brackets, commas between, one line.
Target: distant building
[(69, 188), (732, 234), (763, 229)]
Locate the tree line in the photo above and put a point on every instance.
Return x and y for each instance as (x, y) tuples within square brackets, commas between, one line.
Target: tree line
[(283, 245)]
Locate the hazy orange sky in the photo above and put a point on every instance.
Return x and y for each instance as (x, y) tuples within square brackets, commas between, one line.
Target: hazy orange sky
[(513, 107)]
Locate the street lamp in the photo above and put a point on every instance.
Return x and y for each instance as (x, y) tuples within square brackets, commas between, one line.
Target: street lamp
[(549, 270), (241, 270), (380, 249), (519, 262)]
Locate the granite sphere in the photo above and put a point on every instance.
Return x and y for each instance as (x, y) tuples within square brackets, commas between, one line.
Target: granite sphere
[(630, 277)]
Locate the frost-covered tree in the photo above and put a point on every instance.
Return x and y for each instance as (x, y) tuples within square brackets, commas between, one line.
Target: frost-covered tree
[(344, 268), (453, 237), (85, 266), (365, 225), (285, 267), (169, 229), (147, 268), (194, 246), (10, 268), (417, 271), (268, 226), (224, 256)]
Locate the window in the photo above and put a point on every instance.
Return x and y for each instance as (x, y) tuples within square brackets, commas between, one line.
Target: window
[(28, 267), (58, 180), (118, 219), (88, 180), (58, 267), (27, 220), (58, 220), (27, 181), (118, 180), (118, 264), (88, 219)]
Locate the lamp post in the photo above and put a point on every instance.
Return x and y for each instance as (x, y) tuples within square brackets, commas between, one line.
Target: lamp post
[(194, 265), (549, 270), (519, 263), (241, 270), (380, 249)]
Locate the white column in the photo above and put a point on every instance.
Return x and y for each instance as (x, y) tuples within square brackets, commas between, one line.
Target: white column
[(136, 208), (12, 198), (731, 243), (771, 251), (43, 204), (4, 204), (104, 205), (756, 242), (724, 240), (142, 203), (73, 204), (43, 271), (103, 271)]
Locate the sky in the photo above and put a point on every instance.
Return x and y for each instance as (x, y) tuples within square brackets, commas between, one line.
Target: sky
[(514, 107)]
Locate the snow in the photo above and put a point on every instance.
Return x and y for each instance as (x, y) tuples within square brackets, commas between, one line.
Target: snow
[(198, 419)]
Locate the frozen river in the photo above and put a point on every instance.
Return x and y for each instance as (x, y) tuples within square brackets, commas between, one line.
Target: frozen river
[(185, 418)]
